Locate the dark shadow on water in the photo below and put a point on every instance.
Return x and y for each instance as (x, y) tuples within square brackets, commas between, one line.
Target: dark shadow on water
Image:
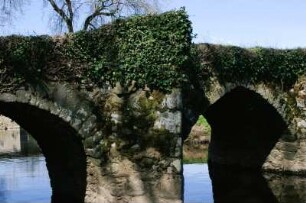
[(287, 188), (238, 185)]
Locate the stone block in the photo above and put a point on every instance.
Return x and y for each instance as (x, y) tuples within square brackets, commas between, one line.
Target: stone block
[(300, 103), (173, 100), (89, 142), (45, 105), (170, 121), (6, 97), (135, 186), (301, 124), (116, 118), (118, 89), (289, 155), (23, 96), (177, 164), (169, 186)]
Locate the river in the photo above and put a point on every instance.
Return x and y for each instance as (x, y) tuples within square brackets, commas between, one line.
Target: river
[(24, 179), (197, 184)]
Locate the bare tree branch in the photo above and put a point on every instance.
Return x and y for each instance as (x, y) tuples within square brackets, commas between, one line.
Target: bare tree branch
[(9, 8), (98, 11), (61, 12)]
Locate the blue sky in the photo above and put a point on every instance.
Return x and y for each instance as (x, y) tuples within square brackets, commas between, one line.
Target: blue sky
[(247, 23)]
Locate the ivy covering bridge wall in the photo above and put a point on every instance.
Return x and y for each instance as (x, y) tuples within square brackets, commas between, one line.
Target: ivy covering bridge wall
[(279, 67), (150, 50)]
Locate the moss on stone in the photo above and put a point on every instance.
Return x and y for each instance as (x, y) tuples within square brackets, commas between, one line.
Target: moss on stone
[(160, 139)]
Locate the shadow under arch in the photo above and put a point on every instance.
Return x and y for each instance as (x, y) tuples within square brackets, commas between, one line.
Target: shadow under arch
[(244, 129), (61, 146)]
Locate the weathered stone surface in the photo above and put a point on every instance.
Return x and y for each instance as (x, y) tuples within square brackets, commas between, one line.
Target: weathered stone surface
[(301, 124), (7, 124), (286, 155), (132, 138), (169, 120), (173, 100), (177, 165), (7, 97)]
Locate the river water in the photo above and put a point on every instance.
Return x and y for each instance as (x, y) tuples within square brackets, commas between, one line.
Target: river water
[(197, 184), (24, 179)]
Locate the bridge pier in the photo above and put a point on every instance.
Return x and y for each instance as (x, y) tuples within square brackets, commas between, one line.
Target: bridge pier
[(139, 157)]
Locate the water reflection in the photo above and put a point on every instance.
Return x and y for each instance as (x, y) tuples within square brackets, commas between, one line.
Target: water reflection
[(16, 141), (234, 185), (197, 184), (239, 185), (242, 185), (287, 189), (10, 141), (24, 179)]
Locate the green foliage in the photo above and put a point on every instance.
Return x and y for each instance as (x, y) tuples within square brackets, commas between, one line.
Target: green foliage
[(232, 64), (203, 122), (189, 160), (150, 50), (25, 57)]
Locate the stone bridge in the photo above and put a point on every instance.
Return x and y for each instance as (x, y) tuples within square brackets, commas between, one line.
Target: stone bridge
[(117, 142)]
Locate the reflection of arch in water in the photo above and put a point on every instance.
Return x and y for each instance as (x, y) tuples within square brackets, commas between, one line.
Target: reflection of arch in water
[(235, 184), (60, 144), (10, 141), (245, 128)]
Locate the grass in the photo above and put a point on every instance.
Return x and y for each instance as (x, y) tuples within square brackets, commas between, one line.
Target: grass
[(203, 122), (194, 149), (194, 160)]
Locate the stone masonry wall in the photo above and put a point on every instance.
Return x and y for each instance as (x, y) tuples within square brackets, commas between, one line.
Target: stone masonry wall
[(138, 157), (6, 123), (131, 139), (289, 154)]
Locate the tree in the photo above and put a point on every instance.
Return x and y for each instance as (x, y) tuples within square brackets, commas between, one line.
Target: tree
[(8, 9), (94, 13)]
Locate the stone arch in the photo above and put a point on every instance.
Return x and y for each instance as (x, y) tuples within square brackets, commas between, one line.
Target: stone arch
[(60, 119), (62, 148), (274, 96), (246, 125)]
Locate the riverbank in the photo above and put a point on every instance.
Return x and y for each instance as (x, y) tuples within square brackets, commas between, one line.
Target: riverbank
[(195, 148)]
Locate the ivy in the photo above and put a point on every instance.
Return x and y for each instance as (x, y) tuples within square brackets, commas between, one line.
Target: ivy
[(274, 66), (150, 50), (154, 51), (26, 57)]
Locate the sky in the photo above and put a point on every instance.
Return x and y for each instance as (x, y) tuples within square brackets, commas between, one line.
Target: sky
[(246, 23)]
